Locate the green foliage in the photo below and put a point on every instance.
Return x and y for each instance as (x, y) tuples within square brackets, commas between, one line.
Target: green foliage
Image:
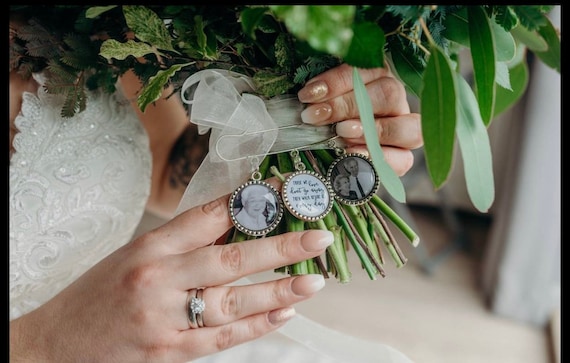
[(439, 115), (282, 46)]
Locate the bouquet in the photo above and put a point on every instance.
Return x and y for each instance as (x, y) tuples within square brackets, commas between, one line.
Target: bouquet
[(273, 50)]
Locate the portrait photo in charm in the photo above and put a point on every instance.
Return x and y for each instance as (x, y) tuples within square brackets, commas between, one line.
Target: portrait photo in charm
[(353, 178), (255, 208)]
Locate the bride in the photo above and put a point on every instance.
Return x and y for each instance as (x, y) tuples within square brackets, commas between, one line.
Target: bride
[(82, 289)]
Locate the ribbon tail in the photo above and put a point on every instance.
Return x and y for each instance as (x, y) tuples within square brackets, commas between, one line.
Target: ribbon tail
[(213, 180)]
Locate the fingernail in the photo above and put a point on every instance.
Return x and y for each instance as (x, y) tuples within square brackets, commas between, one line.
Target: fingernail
[(307, 284), (316, 113), (349, 129), (316, 240), (313, 92), (279, 316)]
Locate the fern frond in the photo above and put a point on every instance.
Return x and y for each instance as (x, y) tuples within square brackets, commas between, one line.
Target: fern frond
[(75, 102)]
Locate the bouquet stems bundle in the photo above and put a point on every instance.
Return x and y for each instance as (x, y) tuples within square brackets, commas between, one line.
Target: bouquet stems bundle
[(363, 228)]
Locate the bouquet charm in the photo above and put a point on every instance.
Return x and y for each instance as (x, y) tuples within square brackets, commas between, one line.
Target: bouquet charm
[(255, 207), (306, 194)]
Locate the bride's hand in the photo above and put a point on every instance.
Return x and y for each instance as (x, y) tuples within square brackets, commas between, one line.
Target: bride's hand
[(331, 98), (132, 306)]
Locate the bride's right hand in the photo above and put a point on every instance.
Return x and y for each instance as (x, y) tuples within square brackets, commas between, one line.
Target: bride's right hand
[(132, 306)]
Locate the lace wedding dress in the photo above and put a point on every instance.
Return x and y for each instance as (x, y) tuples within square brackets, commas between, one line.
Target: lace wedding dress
[(78, 187)]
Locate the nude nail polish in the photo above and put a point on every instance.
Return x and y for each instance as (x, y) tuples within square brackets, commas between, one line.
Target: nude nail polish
[(279, 316), (349, 129), (313, 92), (316, 113), (317, 239), (307, 284)]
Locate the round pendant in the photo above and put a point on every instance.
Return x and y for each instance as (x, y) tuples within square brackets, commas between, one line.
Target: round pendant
[(307, 195), (353, 178), (255, 208)]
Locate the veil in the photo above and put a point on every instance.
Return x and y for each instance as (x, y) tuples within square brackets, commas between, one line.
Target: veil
[(244, 129)]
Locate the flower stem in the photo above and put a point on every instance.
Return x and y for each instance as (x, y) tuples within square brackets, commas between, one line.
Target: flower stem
[(358, 246), (335, 251), (397, 220), (386, 236), (358, 224)]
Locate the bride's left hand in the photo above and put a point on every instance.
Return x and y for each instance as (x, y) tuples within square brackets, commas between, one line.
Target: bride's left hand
[(330, 98)]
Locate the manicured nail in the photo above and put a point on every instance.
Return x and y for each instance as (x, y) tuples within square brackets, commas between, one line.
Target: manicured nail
[(316, 113), (317, 239), (307, 284), (276, 317), (349, 129), (313, 92)]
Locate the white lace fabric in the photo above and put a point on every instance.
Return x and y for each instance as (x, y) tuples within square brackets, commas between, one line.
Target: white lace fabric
[(78, 187)]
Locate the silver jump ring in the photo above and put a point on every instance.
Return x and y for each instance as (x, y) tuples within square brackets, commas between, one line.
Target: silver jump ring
[(195, 306)]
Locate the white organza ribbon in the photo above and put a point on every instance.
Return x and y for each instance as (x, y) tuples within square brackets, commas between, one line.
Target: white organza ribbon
[(244, 129)]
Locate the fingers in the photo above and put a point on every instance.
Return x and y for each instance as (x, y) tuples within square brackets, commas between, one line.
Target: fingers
[(223, 264), (226, 304), (219, 338), (186, 231), (388, 97), (234, 315), (336, 82), (401, 131), (400, 160)]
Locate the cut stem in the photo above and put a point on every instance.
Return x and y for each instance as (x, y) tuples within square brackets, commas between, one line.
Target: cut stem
[(398, 222)]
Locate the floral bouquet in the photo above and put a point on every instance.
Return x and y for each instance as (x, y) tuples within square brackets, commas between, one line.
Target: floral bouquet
[(237, 66)]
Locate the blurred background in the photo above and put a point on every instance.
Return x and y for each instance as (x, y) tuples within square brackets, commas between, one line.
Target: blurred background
[(478, 287)]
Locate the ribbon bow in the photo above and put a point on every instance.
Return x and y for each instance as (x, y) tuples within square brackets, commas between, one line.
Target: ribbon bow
[(244, 129)]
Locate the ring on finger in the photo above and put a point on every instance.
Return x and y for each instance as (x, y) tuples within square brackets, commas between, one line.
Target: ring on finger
[(195, 307)]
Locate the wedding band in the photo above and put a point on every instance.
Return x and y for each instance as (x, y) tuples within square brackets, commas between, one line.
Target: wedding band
[(195, 306), (199, 307)]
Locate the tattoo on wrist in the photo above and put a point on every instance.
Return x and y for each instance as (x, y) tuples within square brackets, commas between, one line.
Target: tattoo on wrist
[(186, 156)]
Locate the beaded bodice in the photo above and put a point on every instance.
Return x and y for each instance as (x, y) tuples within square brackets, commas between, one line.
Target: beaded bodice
[(78, 187)]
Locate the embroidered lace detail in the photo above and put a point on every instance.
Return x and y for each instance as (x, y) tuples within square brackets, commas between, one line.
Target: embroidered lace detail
[(78, 188)]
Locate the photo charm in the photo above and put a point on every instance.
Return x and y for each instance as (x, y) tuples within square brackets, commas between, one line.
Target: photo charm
[(255, 208), (306, 194), (353, 179)]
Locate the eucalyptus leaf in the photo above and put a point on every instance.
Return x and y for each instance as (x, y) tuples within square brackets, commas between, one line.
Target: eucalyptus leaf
[(367, 47), (473, 141), (531, 38), (457, 27), (388, 177), (504, 99), (502, 77), (408, 69), (505, 47), (439, 114), (551, 56), (155, 86), (483, 55)]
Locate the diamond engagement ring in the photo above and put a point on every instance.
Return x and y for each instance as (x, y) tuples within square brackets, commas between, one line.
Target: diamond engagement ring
[(195, 306)]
